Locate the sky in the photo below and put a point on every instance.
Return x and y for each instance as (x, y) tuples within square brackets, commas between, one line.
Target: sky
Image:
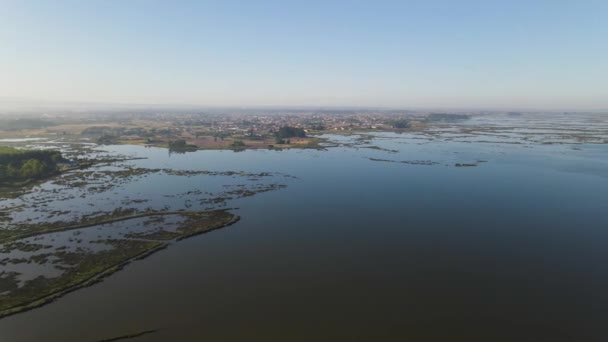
[(471, 54)]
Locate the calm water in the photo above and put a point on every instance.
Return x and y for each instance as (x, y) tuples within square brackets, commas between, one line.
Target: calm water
[(514, 249)]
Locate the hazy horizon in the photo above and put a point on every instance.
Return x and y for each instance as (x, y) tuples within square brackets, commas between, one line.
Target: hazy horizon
[(340, 170), (26, 106), (547, 55)]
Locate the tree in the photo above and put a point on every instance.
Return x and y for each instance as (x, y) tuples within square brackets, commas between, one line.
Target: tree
[(290, 132), (181, 146), (32, 168), (13, 171), (22, 164), (238, 143), (402, 123), (177, 143)]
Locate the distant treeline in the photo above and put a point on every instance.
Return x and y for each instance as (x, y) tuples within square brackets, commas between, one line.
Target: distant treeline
[(107, 139), (401, 123), (105, 130), (447, 117), (284, 133), (290, 132), (19, 124), (181, 146), (19, 165)]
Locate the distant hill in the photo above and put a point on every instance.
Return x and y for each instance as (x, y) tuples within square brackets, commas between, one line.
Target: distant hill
[(19, 124)]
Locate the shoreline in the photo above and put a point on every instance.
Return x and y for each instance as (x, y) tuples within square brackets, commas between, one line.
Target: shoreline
[(111, 269), (91, 224)]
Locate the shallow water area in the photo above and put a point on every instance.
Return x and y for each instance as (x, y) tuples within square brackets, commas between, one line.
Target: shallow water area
[(476, 230)]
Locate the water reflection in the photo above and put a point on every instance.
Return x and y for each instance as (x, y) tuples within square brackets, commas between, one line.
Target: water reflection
[(356, 249)]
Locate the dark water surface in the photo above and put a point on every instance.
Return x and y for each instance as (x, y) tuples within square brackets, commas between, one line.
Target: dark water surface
[(515, 249)]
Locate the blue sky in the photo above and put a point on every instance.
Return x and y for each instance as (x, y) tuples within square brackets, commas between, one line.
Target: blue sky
[(486, 54)]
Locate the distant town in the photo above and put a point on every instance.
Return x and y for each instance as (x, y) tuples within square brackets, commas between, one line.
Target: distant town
[(219, 130)]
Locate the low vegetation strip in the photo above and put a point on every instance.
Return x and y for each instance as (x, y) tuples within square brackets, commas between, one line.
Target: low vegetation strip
[(83, 267), (129, 336), (41, 229), (89, 269)]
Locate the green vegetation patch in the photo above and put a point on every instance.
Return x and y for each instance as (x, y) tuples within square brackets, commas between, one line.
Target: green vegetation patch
[(17, 165), (181, 146), (205, 221)]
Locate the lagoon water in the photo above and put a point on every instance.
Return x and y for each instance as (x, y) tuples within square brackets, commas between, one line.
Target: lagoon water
[(359, 249)]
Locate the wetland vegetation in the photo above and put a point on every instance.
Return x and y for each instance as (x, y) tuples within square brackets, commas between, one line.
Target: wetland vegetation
[(92, 258), (49, 247), (18, 166), (118, 203)]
